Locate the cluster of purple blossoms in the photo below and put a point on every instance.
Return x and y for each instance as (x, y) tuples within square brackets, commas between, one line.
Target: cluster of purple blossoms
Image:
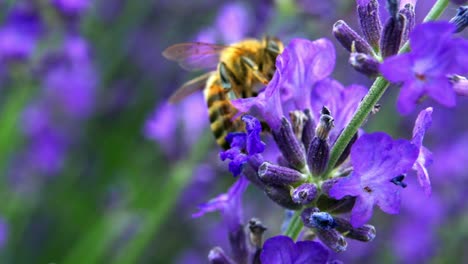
[(435, 66), (306, 111), (333, 205)]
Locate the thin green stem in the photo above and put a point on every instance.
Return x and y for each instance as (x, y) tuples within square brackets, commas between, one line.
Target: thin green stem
[(295, 226), (376, 91)]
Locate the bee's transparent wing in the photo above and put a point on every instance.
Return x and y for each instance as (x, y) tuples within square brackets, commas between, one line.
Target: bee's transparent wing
[(190, 87), (195, 56)]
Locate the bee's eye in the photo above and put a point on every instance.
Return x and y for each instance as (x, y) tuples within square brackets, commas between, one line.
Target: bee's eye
[(272, 46)]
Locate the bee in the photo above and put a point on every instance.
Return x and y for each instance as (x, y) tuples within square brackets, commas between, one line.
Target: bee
[(239, 70)]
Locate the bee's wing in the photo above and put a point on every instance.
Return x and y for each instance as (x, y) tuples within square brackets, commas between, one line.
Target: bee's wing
[(195, 56), (190, 87)]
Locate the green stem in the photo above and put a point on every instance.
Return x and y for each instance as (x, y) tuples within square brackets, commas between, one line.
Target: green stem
[(295, 226), (376, 91)]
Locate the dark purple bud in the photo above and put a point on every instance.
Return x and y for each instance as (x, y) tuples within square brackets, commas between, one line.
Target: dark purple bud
[(308, 132), (328, 184), (346, 151), (460, 19), (319, 150), (250, 171), (392, 35), (279, 175), (320, 220), (307, 212), (333, 239), (238, 242), (256, 232), (364, 64), (318, 156), (398, 180), (281, 195), (305, 193), (347, 36), (408, 13), (369, 19), (365, 233), (460, 84), (217, 256), (298, 119), (289, 146)]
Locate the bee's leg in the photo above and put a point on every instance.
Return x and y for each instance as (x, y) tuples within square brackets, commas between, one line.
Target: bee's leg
[(254, 67), (224, 75)]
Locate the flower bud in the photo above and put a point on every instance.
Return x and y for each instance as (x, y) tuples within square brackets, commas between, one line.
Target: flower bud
[(290, 147), (369, 19), (305, 193), (309, 129), (460, 84), (460, 19), (365, 233), (333, 239), (392, 35), (364, 64), (347, 36), (279, 175), (392, 7), (318, 153), (250, 171), (320, 220), (281, 195), (408, 13), (217, 256)]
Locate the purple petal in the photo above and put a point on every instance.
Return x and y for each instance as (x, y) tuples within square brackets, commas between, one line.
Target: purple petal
[(397, 68), (388, 198), (278, 250), (303, 63), (254, 128), (423, 122), (377, 157), (441, 91), (423, 176), (310, 252), (362, 211), (430, 36), (410, 93), (350, 185)]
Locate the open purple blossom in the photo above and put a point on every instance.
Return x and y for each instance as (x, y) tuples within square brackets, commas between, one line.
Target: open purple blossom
[(3, 233), (434, 55), (243, 145), (282, 249), (376, 159), (423, 122)]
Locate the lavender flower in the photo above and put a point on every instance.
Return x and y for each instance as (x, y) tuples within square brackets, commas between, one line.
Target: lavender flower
[(376, 159), (435, 55), (282, 249), (72, 7), (3, 233)]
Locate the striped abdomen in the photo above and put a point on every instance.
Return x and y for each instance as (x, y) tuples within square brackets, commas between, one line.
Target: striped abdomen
[(221, 112)]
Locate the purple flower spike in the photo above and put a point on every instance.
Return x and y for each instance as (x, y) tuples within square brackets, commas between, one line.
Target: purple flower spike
[(434, 55), (376, 159), (282, 249), (423, 122)]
